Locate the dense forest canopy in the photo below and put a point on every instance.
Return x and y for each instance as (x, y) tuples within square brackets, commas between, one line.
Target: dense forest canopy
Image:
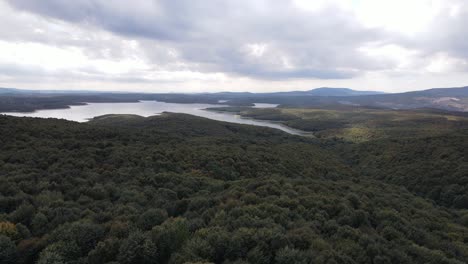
[(180, 189)]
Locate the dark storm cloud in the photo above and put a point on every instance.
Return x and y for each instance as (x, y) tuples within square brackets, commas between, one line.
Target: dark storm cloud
[(214, 36)]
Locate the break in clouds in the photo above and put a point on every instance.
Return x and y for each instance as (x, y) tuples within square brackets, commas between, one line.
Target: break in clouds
[(261, 45)]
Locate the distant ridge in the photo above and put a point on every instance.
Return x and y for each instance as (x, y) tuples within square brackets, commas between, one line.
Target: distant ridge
[(328, 91), (16, 91), (451, 99), (455, 91), (322, 91)]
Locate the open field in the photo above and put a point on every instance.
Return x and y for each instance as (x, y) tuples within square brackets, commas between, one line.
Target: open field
[(360, 124)]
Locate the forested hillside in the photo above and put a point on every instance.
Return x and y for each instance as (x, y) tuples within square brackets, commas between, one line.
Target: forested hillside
[(435, 167), (358, 124), (180, 189)]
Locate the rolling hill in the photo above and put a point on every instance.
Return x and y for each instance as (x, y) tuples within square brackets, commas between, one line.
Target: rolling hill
[(181, 189), (451, 99)]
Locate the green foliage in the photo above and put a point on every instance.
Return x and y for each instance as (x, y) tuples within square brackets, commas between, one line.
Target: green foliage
[(50, 257), (359, 124), (60, 252), (8, 229), (39, 224), (434, 167), (137, 248), (180, 189), (150, 218), (84, 235), (287, 255), (105, 251), (170, 236), (7, 250)]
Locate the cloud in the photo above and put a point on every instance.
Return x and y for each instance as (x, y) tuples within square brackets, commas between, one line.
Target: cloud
[(264, 41), (210, 36)]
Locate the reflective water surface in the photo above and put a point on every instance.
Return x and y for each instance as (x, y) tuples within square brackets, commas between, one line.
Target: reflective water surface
[(83, 113)]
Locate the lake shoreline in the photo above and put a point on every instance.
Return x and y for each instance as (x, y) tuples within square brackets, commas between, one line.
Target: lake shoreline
[(87, 110)]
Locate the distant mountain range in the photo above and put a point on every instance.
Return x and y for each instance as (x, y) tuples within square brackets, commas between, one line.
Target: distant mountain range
[(15, 91), (323, 91), (452, 99), (328, 91)]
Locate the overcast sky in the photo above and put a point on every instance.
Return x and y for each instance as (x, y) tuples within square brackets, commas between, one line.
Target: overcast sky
[(235, 45)]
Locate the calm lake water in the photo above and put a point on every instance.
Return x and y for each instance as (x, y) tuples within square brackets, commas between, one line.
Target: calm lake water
[(83, 113)]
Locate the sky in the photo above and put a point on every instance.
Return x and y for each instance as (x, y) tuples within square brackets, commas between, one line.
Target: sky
[(233, 45)]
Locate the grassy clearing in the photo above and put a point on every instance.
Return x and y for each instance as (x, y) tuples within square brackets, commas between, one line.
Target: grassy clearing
[(361, 124)]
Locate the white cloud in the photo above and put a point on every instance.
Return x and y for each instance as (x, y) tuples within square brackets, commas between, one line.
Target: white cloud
[(395, 57), (443, 63), (233, 44), (256, 49), (400, 16), (52, 58), (317, 5)]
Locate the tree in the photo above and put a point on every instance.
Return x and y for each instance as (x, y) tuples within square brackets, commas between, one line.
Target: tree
[(23, 231), (61, 251), (195, 250), (105, 251), (39, 224), (170, 236), (23, 214), (8, 229), (258, 255), (50, 257), (85, 235), (461, 202), (7, 250), (150, 218), (29, 249), (290, 255), (137, 248)]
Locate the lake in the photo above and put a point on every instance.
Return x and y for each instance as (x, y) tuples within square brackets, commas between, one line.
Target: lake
[(82, 113)]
